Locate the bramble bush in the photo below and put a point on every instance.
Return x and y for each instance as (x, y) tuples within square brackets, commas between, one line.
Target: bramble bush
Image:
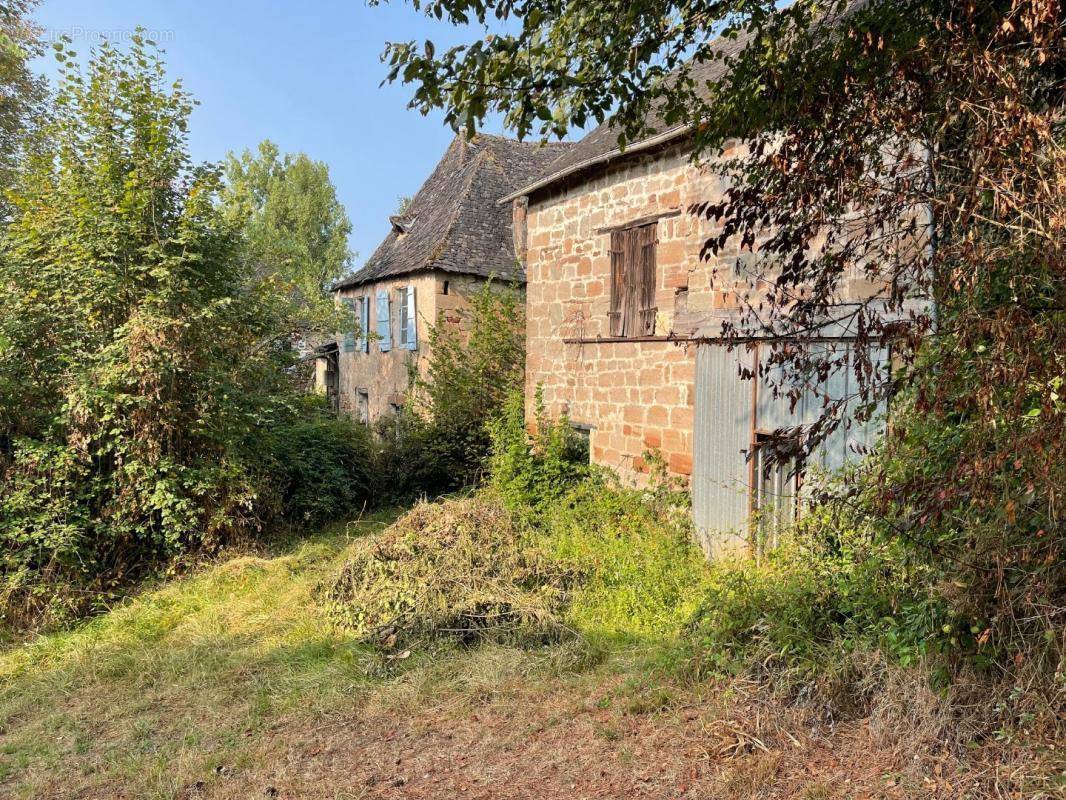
[(146, 403)]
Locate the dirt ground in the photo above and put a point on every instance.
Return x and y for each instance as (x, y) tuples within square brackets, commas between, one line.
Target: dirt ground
[(549, 746)]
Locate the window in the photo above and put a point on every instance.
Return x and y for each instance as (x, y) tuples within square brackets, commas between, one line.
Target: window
[(774, 490), (582, 441), (349, 336), (384, 329), (396, 408), (633, 307), (364, 324), (362, 406), (408, 315), (445, 291)]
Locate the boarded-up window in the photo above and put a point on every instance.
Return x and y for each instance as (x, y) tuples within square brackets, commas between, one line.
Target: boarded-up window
[(633, 306)]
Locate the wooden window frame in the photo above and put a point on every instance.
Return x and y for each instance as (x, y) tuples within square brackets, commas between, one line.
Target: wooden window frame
[(634, 281)]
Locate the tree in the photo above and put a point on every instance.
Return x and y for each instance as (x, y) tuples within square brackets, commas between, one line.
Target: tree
[(441, 440), (469, 377), (141, 387), (917, 143), (22, 94), (295, 230)]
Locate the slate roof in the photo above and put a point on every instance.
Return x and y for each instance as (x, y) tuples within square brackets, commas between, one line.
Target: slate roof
[(600, 146), (455, 222)]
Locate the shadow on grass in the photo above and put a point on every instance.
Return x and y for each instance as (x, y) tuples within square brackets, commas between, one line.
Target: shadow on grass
[(200, 673)]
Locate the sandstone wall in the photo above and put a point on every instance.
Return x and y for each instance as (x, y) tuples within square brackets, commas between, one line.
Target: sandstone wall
[(385, 376), (636, 396)]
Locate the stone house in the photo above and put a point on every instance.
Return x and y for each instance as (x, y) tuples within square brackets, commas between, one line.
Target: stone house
[(452, 237), (624, 328)]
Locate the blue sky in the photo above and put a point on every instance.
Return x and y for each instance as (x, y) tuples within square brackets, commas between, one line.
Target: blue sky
[(304, 74)]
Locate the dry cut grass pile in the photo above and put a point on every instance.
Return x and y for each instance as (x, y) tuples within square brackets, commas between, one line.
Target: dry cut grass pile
[(463, 569)]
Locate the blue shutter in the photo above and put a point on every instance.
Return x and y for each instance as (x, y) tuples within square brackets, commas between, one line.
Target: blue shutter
[(412, 329), (349, 336), (384, 328)]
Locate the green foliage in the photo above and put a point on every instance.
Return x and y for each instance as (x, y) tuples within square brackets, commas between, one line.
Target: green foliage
[(441, 439), (406, 463), (608, 562), (294, 230), (534, 470), (830, 586), (23, 92), (317, 467), (642, 573), (976, 483), (141, 372), (472, 369), (460, 569)]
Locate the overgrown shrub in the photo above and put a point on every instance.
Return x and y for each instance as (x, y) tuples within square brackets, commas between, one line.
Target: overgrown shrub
[(827, 586), (316, 466), (406, 466), (642, 574), (440, 441), (146, 407), (463, 569), (972, 492), (534, 470)]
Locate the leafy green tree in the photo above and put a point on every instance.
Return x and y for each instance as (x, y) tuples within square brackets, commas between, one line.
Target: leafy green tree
[(469, 377), (441, 439), (144, 396), (295, 230), (22, 93)]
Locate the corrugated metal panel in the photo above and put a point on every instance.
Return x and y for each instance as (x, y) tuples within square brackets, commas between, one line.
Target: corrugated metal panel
[(723, 430), (833, 452), (852, 438), (722, 435)]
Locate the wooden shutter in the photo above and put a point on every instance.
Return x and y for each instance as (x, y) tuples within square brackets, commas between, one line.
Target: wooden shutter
[(646, 236), (633, 282), (384, 323), (364, 323), (402, 299), (618, 275), (630, 300), (412, 316)]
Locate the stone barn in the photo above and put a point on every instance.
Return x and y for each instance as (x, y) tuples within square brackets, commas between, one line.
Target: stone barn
[(622, 322)]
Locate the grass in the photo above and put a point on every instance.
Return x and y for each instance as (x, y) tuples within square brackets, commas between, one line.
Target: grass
[(202, 684), (179, 682), (190, 680)]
